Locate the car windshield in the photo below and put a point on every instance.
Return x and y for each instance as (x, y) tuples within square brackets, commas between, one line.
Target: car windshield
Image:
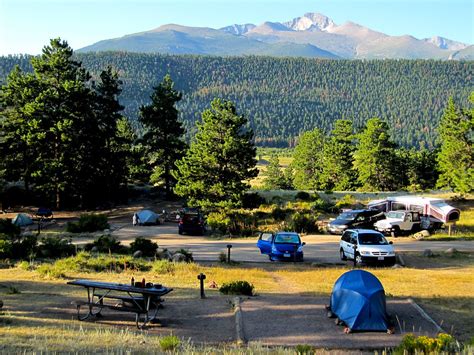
[(287, 238), (393, 214), (349, 216), (372, 239)]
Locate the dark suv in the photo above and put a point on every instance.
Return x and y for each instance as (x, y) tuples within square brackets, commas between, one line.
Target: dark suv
[(191, 221), (362, 219)]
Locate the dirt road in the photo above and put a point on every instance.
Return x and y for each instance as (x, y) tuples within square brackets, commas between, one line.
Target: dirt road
[(319, 248)]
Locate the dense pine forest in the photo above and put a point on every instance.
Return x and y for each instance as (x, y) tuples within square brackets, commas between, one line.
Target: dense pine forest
[(283, 97)]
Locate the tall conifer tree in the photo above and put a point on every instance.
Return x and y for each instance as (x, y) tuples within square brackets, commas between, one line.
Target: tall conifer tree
[(221, 159)]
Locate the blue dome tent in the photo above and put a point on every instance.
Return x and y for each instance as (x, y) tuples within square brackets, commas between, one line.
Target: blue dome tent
[(358, 300)]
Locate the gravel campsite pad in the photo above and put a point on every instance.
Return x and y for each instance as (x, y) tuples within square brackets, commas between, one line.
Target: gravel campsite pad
[(292, 320)]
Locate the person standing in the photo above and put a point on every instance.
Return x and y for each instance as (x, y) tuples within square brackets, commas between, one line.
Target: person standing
[(135, 219)]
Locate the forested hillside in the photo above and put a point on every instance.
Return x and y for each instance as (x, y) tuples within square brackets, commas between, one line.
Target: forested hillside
[(283, 97)]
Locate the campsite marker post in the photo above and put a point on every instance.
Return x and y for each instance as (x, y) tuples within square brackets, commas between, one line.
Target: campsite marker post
[(229, 246), (201, 278)]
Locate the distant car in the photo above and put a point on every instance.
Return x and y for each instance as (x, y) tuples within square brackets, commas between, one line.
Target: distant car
[(366, 246), (191, 221), (354, 219), (281, 246), (399, 222)]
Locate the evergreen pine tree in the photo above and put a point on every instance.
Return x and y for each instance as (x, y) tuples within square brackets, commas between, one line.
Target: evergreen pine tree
[(163, 140), (375, 160), (221, 159), (456, 156), (275, 178)]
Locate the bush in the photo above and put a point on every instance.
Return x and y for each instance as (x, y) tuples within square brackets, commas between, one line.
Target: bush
[(88, 223), (347, 201), (411, 344), (146, 246), (222, 257), (237, 288), (56, 247), (302, 196), (302, 223), (169, 343), (8, 229), (252, 200), (107, 244), (322, 205), (24, 247), (187, 254), (218, 221), (163, 267), (84, 262), (279, 214), (304, 349)]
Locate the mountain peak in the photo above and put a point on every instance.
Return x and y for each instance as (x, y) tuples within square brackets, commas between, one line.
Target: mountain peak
[(445, 43), (239, 30), (310, 21)]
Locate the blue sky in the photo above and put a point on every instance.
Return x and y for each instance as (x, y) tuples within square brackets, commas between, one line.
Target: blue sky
[(27, 25)]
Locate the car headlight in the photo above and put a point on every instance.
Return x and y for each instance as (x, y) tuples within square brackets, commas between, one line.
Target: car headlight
[(365, 253), (391, 253), (343, 226), (300, 249)]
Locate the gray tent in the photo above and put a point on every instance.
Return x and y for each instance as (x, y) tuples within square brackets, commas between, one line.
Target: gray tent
[(22, 220), (147, 217)]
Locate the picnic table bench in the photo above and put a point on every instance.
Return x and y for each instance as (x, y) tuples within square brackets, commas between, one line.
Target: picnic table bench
[(143, 301)]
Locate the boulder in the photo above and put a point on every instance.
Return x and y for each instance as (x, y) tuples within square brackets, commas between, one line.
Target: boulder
[(421, 234), (164, 255), (428, 253), (178, 257), (137, 254), (397, 266), (94, 250), (451, 251)]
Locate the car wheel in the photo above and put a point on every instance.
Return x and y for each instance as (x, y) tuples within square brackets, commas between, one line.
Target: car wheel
[(358, 259), (396, 232), (180, 232), (270, 258), (343, 256)]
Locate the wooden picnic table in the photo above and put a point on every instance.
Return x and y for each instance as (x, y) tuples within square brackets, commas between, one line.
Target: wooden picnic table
[(143, 301)]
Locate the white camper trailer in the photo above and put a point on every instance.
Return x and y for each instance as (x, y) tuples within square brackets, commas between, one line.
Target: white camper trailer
[(434, 211)]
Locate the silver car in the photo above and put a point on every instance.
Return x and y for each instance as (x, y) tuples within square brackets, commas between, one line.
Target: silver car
[(366, 246)]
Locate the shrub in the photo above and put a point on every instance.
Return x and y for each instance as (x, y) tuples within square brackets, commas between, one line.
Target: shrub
[(346, 201), (411, 344), (8, 229), (56, 247), (304, 349), (302, 223), (252, 200), (279, 214), (163, 267), (322, 205), (169, 343), (302, 196), (146, 246), (218, 221), (88, 223), (237, 288), (24, 247), (187, 254), (222, 257), (107, 243), (24, 265)]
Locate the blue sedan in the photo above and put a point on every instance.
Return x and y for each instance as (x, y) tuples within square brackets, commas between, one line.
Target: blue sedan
[(281, 246)]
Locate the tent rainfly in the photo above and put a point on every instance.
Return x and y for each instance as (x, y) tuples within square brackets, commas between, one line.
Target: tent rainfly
[(147, 217), (358, 300), (22, 220)]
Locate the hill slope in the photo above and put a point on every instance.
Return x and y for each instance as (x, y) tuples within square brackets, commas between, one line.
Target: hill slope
[(285, 96)]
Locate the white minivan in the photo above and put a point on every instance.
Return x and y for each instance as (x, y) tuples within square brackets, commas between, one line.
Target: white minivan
[(366, 246)]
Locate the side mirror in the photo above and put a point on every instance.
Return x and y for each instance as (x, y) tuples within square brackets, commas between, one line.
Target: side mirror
[(304, 243), (390, 242)]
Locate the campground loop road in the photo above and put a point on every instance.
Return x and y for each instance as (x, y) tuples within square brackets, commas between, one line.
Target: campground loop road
[(319, 248)]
